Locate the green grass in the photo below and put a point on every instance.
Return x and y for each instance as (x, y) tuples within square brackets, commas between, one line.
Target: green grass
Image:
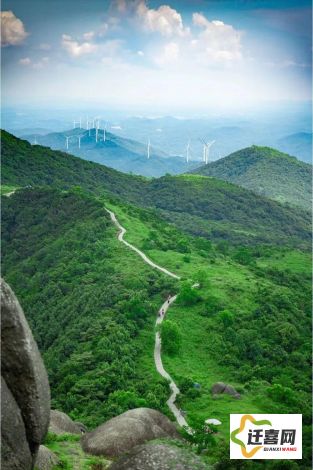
[(236, 286), (71, 456), (5, 189)]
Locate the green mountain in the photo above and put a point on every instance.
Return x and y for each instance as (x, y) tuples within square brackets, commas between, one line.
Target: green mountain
[(267, 172), (196, 204), (92, 302), (116, 152)]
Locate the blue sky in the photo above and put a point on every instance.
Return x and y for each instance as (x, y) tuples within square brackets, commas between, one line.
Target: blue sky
[(171, 55)]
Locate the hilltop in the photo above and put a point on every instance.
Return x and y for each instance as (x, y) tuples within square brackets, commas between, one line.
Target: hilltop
[(267, 172), (199, 205), (127, 155)]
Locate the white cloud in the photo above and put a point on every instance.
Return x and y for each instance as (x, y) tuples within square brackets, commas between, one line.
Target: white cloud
[(169, 54), (165, 20), (25, 61), (12, 29), (217, 41), (89, 36), (76, 49)]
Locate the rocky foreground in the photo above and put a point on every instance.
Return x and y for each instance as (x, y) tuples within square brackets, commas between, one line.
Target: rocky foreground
[(134, 440)]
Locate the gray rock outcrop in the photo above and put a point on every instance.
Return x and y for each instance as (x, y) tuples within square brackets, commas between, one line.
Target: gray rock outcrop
[(26, 379), (220, 387), (46, 459), (120, 434), (61, 423), (158, 456), (15, 452)]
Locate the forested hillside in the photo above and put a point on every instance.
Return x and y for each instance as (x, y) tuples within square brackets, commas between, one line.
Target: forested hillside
[(267, 172), (86, 299), (199, 205)]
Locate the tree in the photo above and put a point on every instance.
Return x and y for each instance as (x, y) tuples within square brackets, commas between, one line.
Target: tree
[(188, 295), (171, 337)]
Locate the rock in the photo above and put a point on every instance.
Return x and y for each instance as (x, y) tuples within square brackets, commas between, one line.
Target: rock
[(23, 369), (214, 421), (120, 434), (46, 459), (158, 456), (15, 452), (25, 377), (60, 423), (220, 387), (82, 427)]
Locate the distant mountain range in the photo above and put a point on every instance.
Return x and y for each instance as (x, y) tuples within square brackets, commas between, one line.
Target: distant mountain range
[(116, 152), (196, 204), (267, 172), (299, 144)]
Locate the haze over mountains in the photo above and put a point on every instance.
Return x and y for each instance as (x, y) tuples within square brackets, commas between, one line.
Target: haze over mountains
[(116, 152)]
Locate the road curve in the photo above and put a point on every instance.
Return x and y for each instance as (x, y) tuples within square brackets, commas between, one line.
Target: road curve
[(157, 348), (121, 234)]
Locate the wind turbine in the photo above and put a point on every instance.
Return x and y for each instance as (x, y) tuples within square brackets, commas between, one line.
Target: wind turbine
[(206, 150), (187, 151), (79, 137), (80, 122), (74, 124), (35, 142), (208, 146), (67, 139), (104, 131), (148, 149), (97, 130)]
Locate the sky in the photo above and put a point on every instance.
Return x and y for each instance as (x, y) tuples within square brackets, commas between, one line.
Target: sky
[(156, 56)]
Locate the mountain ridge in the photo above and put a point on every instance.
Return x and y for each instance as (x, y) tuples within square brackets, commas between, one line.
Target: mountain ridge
[(267, 172)]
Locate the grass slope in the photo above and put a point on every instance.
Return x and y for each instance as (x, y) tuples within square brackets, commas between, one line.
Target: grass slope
[(267, 172), (203, 206), (250, 325)]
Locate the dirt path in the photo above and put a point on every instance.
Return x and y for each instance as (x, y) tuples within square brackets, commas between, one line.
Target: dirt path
[(157, 348)]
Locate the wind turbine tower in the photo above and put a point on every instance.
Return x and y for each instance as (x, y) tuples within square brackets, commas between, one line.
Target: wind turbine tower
[(104, 131), (79, 137), (67, 139), (148, 149), (208, 147), (204, 153), (187, 151)]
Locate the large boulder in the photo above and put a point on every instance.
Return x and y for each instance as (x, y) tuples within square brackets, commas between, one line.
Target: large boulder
[(220, 387), (15, 452), (60, 423), (120, 434), (24, 374), (46, 460), (158, 456)]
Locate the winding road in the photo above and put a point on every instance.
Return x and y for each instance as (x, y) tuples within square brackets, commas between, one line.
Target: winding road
[(157, 347)]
